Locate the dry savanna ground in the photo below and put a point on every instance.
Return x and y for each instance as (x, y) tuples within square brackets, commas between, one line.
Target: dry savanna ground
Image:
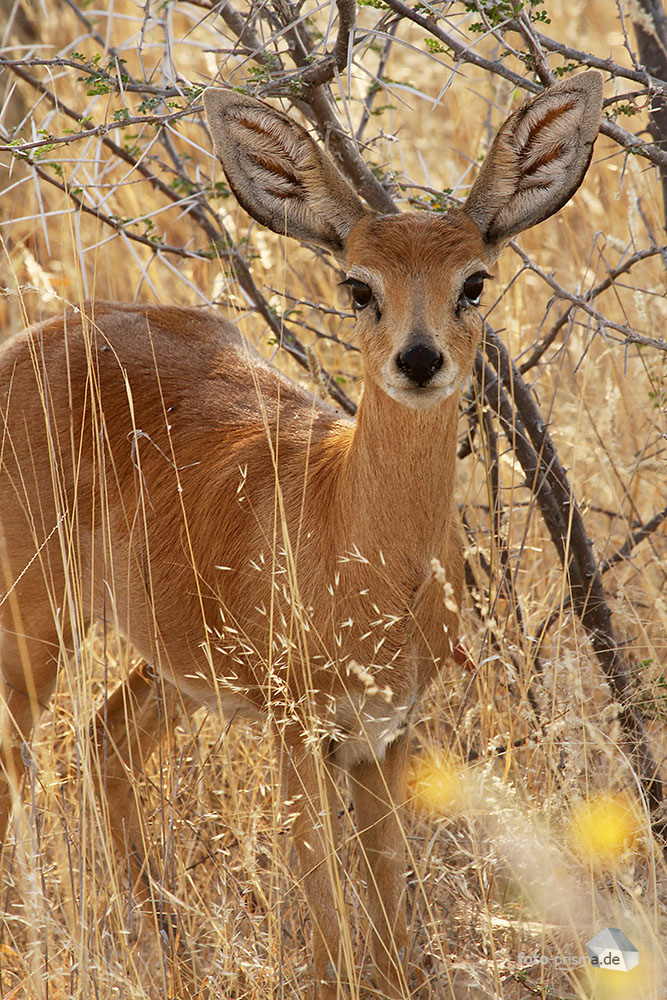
[(527, 830)]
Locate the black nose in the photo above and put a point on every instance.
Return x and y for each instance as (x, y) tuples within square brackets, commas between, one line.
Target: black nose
[(419, 363)]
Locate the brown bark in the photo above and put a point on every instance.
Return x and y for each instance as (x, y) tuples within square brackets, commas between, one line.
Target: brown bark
[(650, 24)]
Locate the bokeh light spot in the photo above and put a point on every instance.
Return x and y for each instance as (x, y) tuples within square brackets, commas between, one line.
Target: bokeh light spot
[(603, 828), (438, 783)]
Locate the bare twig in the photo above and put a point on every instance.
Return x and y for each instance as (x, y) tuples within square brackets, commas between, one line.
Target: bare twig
[(583, 302), (610, 66), (538, 351), (17, 147), (98, 73), (633, 540)]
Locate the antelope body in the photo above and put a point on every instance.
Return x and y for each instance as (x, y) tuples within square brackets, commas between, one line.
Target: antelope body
[(263, 553)]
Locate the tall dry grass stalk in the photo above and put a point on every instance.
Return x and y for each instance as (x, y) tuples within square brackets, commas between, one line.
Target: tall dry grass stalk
[(528, 832)]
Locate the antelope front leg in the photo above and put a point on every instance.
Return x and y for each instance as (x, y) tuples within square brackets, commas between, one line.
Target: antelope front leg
[(378, 792), (127, 730), (311, 794)]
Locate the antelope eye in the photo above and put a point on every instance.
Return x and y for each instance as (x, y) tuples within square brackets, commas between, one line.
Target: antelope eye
[(472, 288), (362, 294)]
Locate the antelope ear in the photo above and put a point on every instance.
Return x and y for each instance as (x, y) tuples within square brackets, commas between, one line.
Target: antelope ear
[(538, 159), (278, 173)]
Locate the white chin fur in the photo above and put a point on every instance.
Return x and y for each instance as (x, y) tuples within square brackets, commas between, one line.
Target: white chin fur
[(420, 398)]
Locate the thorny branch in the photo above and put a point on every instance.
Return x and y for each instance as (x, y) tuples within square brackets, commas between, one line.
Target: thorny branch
[(631, 543), (583, 302), (545, 343)]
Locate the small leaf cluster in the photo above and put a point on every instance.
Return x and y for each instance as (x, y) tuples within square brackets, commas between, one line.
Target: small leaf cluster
[(561, 71), (433, 45), (624, 108), (496, 12), (101, 79), (653, 691), (499, 12)]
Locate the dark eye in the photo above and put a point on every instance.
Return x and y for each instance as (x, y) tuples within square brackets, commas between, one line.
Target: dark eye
[(362, 294), (473, 288)]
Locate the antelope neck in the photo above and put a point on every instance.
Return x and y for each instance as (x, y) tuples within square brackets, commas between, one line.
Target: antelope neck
[(398, 480)]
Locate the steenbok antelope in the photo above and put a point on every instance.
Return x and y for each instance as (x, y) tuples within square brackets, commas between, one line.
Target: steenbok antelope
[(264, 554)]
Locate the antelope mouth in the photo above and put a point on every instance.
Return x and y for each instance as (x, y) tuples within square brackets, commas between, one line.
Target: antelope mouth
[(422, 397)]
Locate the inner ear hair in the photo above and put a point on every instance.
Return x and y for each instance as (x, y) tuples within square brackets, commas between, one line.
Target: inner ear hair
[(278, 173), (538, 158)]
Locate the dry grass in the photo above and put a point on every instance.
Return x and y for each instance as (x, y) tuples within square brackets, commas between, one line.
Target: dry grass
[(502, 860)]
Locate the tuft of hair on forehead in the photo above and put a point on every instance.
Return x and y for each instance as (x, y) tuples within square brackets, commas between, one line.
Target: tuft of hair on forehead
[(415, 240)]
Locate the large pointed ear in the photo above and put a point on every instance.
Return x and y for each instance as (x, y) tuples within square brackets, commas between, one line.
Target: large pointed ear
[(538, 159), (278, 173)]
